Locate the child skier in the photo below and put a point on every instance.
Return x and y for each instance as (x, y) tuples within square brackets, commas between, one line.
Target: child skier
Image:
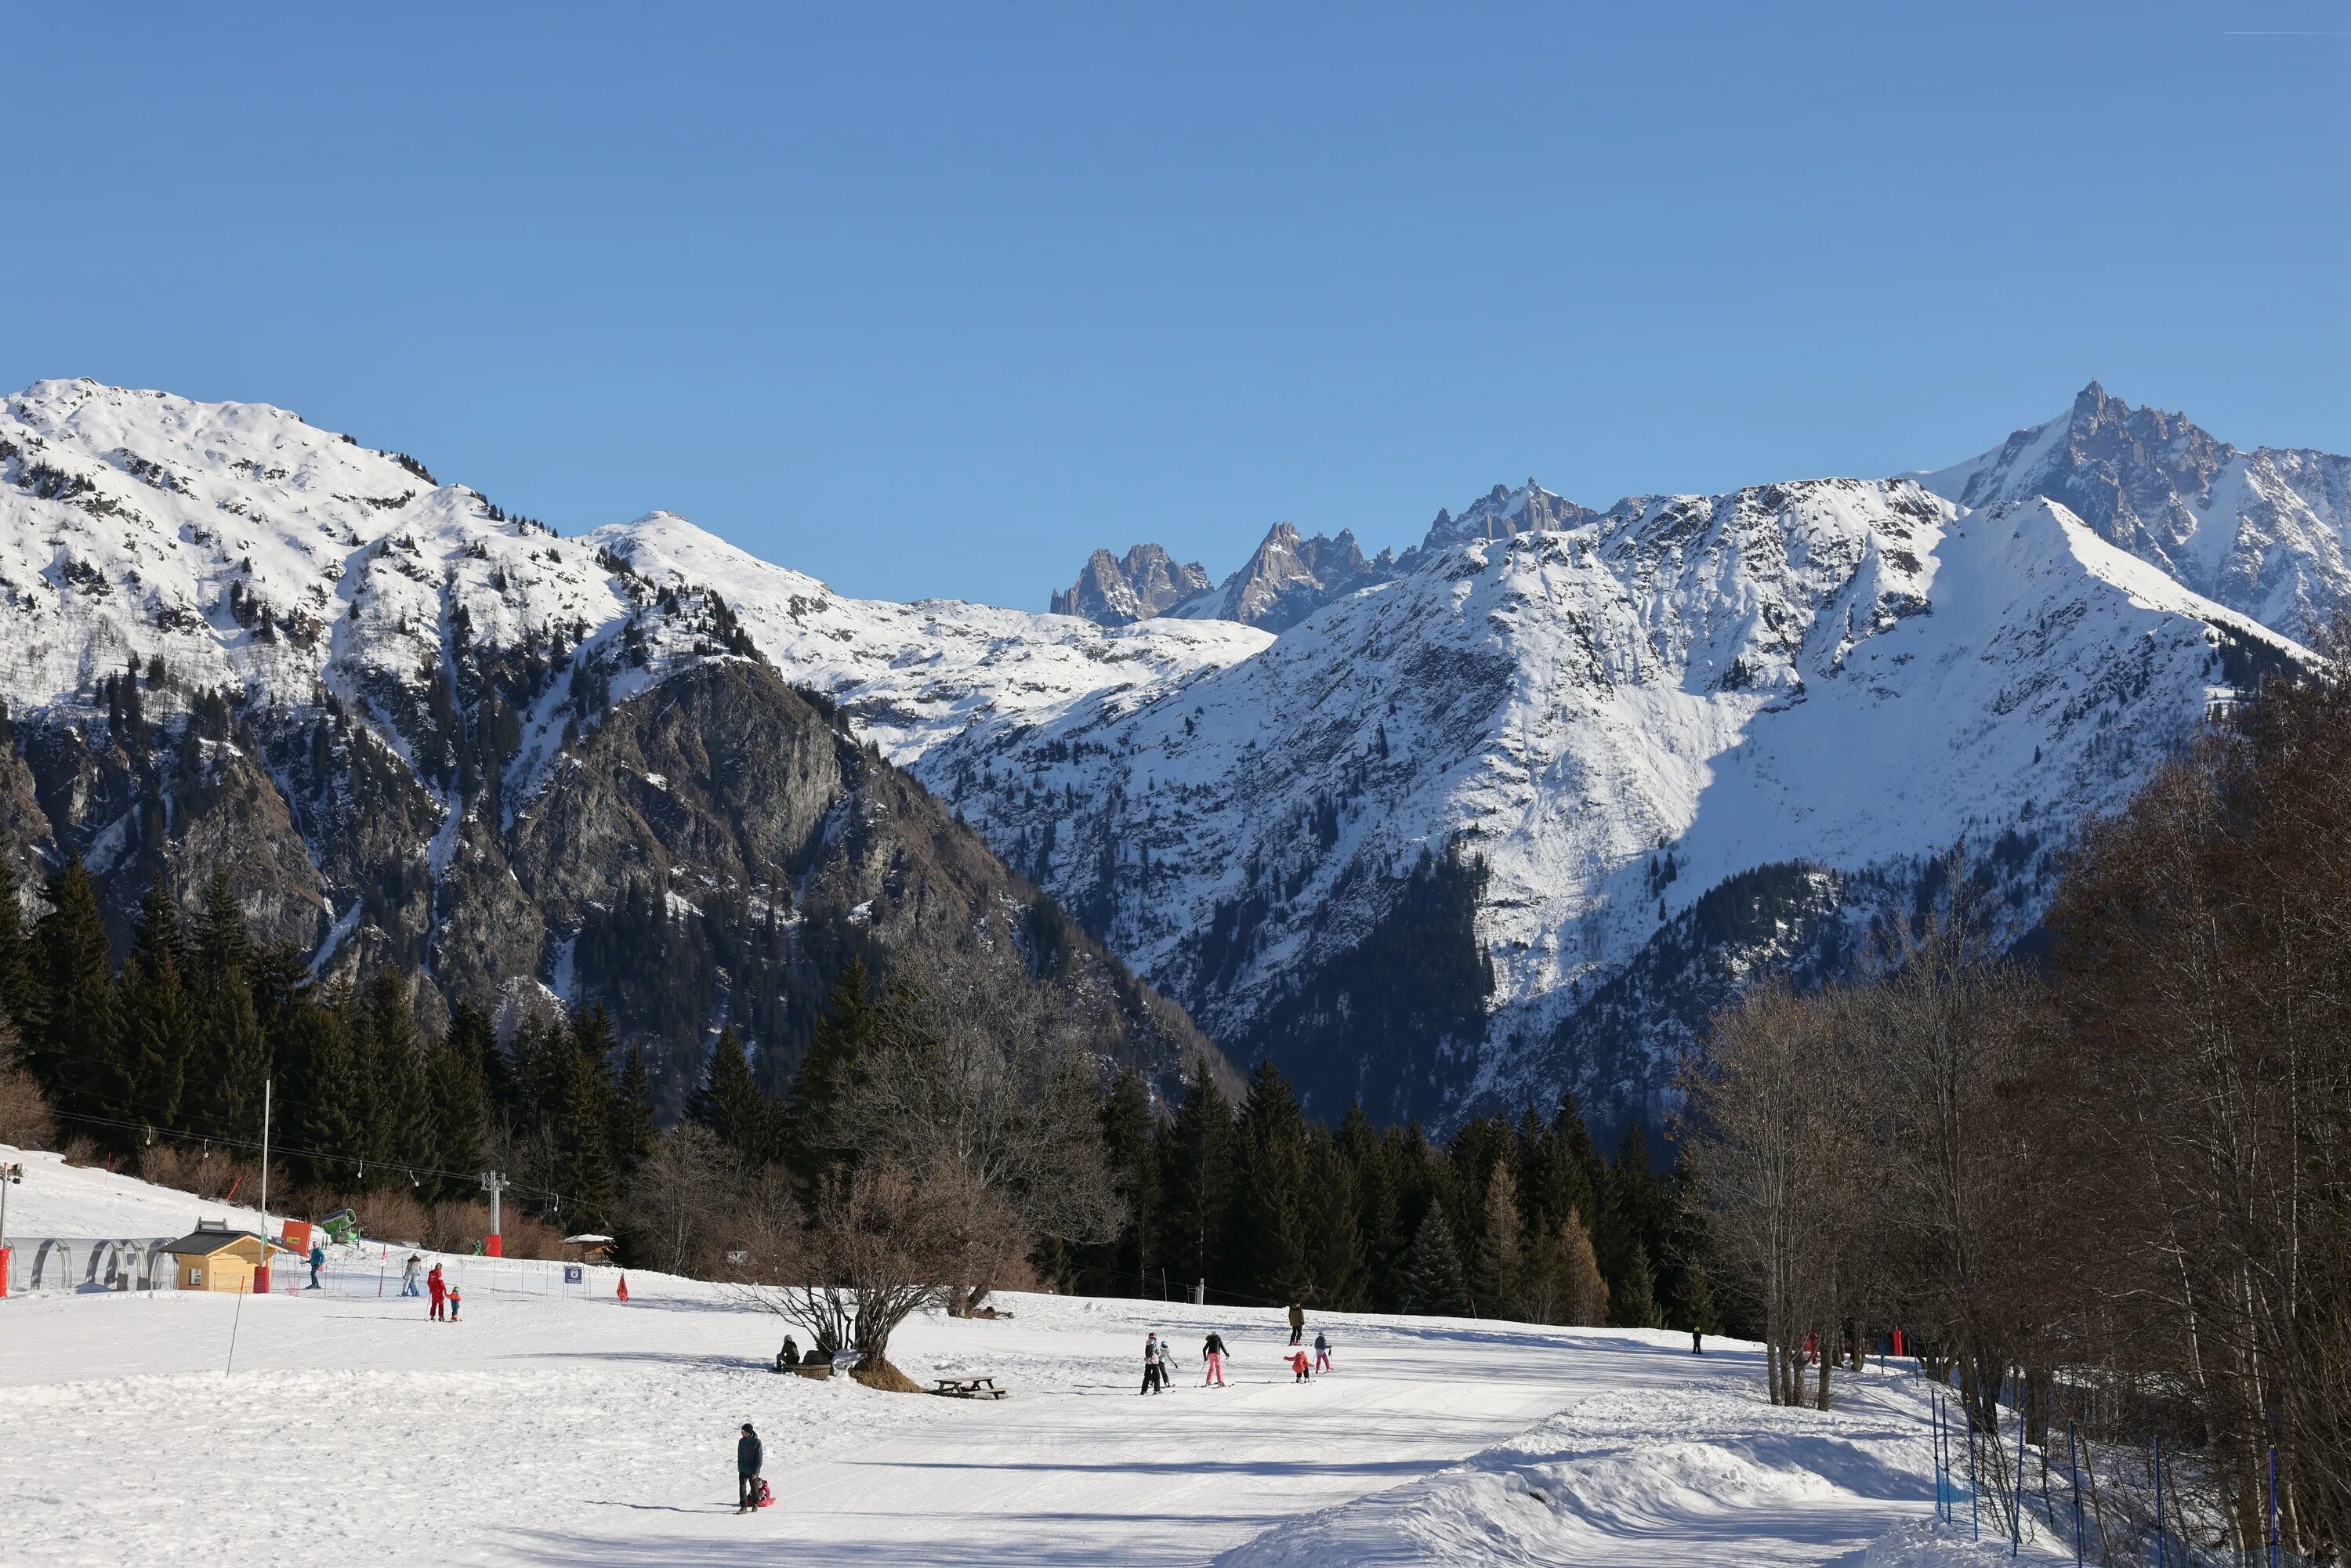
[(1213, 1352), (456, 1297), (1152, 1369), (1322, 1352), (1298, 1365)]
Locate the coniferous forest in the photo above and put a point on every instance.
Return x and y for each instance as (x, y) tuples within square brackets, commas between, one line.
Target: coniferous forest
[(155, 1062)]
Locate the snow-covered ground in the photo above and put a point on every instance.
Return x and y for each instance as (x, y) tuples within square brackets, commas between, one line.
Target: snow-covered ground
[(558, 1425)]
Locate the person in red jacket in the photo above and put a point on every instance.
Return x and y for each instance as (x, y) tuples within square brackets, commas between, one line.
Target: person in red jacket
[(1298, 1365), (438, 1289)]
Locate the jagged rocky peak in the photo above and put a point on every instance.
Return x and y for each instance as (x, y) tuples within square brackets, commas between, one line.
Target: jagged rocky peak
[(1288, 578), (1502, 511), (2262, 532), (1114, 592)]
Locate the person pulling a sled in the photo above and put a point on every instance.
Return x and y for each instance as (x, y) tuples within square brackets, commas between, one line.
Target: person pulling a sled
[(748, 1456), (1213, 1352)]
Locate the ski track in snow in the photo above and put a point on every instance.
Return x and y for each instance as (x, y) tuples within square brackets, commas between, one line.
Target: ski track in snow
[(554, 1426)]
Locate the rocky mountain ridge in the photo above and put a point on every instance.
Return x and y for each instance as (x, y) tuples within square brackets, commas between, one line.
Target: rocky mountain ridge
[(1500, 816)]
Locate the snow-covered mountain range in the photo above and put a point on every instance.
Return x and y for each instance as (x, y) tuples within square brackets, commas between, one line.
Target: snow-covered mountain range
[(1504, 815)]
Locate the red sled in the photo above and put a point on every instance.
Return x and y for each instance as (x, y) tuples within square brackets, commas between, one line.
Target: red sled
[(760, 1495)]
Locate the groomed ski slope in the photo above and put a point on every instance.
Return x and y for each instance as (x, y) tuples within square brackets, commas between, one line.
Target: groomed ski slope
[(565, 1427)]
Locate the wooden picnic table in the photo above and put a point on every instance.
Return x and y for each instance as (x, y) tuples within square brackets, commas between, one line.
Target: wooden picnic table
[(967, 1388)]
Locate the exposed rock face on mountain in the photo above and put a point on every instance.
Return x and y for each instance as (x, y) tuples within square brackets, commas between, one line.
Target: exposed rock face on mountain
[(2261, 531), (1288, 578), (412, 728), (1502, 512), (1114, 592), (1506, 815)]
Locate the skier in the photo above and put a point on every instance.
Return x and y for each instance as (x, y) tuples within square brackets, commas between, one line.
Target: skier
[(1297, 1321), (1150, 1372), (748, 1454), (1298, 1365), (1322, 1352), (1698, 1342), (438, 1289), (318, 1261), (789, 1357), (1212, 1351), (456, 1299), (408, 1272)]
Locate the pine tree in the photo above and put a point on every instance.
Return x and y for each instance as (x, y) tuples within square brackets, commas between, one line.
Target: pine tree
[(729, 1103), (1634, 1303), (582, 1125), (845, 1032), (1195, 1181), (1379, 1222), (156, 1019), (16, 991), (460, 1106), (633, 1124), (1495, 1281), (71, 1033), (398, 1134), (320, 1103), (1129, 1264), (1266, 1239), (230, 1060), (1333, 1242), (1432, 1281)]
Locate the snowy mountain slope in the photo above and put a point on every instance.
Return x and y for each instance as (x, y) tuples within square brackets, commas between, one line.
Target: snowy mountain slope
[(2262, 532), (238, 643), (1611, 719), (1506, 815)]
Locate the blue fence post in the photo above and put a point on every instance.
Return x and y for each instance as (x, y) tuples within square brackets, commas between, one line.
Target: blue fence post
[(1935, 1408), (1975, 1486), (2161, 1558), (2274, 1507), (2074, 1467), (2016, 1490)]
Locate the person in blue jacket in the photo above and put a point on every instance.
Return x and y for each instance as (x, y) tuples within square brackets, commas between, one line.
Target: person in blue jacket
[(318, 1261)]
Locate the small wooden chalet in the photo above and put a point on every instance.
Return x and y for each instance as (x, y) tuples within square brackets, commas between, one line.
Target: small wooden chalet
[(215, 1257)]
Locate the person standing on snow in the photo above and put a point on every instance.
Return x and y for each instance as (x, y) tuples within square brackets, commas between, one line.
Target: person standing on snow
[(748, 1456), (408, 1272), (456, 1300), (1213, 1352), (1698, 1342), (438, 1289), (1322, 1352), (1151, 1368), (318, 1261), (1298, 1365), (1297, 1321)]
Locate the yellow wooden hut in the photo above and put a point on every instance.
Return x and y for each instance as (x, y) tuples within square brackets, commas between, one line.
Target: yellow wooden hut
[(214, 1257)]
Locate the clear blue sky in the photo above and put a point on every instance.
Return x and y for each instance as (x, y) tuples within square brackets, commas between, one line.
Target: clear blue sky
[(936, 299)]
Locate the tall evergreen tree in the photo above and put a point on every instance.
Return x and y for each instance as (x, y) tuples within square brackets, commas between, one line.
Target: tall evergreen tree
[(582, 1124), (1432, 1269), (156, 1016), (1334, 1240), (729, 1103), (1634, 1303), (15, 982), (1195, 1181), (845, 1031), (71, 1033), (1266, 1242), (1129, 1264), (633, 1124), (318, 1099), (230, 1058), (399, 1134), (460, 1107)]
